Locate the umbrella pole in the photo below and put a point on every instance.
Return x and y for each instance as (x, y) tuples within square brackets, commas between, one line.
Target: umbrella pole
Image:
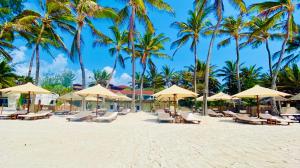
[(257, 101), (169, 103), (28, 103), (175, 104), (71, 105), (97, 105)]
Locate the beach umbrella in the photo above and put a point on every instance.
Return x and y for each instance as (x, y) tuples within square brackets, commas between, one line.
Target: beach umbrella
[(122, 97), (98, 91), (70, 97), (27, 88), (259, 92), (296, 97), (175, 92)]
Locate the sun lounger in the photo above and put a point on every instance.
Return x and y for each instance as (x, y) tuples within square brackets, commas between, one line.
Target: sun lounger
[(81, 116), (275, 120), (12, 114), (124, 111), (164, 117), (190, 118), (107, 117), (249, 120), (212, 113), (229, 114), (62, 112), (35, 116)]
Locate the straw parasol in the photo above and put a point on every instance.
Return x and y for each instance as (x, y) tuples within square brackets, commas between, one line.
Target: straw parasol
[(122, 97), (260, 92), (97, 91), (27, 88), (296, 97), (70, 97), (176, 93), (219, 96)]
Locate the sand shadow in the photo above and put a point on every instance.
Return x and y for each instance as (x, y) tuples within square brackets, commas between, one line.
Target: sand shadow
[(151, 120)]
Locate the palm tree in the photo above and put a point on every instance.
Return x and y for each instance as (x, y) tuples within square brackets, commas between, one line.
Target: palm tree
[(155, 79), (289, 79), (117, 43), (275, 10), (85, 10), (191, 30), (7, 75), (218, 8), (228, 73), (168, 75), (100, 77), (232, 28), (56, 14), (265, 34), (136, 9), (250, 76), (149, 45)]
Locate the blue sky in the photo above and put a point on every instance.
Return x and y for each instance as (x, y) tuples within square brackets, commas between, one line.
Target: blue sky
[(98, 58)]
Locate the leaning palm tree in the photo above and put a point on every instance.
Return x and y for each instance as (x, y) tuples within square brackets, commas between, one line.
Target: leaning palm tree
[(195, 27), (56, 14), (149, 45), (275, 10), (85, 10), (137, 9), (218, 7), (117, 43), (263, 37), (232, 28)]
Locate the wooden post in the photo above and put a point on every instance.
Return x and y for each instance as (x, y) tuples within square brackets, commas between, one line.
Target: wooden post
[(175, 104), (28, 103), (257, 101), (97, 105), (71, 105)]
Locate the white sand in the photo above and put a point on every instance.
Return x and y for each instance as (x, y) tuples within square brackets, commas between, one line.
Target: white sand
[(137, 140)]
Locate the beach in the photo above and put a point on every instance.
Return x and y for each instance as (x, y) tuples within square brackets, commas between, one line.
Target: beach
[(138, 140)]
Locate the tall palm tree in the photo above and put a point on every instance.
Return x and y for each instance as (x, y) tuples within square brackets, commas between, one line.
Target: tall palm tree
[(56, 14), (289, 79), (228, 73), (250, 76), (218, 8), (149, 45), (117, 43), (156, 80), (232, 28), (137, 9), (275, 10), (265, 34), (167, 74), (195, 26), (7, 75), (85, 10)]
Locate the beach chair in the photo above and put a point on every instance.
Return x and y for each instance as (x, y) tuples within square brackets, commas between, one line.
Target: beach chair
[(249, 120), (35, 116), (107, 117), (190, 118), (12, 115), (61, 112), (275, 120), (212, 113), (81, 116), (124, 111), (229, 113), (164, 117)]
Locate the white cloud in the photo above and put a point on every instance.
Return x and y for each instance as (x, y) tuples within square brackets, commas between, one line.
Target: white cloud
[(88, 76), (18, 54), (123, 79)]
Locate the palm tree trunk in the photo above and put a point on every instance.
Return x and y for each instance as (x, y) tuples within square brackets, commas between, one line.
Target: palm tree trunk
[(237, 64), (113, 70), (195, 68), (78, 41), (269, 57), (31, 64), (206, 87), (282, 52), (35, 50), (131, 34), (142, 87), (37, 68)]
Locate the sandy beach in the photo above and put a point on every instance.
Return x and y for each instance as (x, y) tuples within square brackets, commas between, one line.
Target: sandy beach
[(137, 140)]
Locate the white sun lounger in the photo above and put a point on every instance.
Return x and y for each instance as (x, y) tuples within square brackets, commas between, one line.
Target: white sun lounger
[(124, 111), (190, 118), (35, 116), (107, 117), (164, 117), (81, 116), (12, 114)]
